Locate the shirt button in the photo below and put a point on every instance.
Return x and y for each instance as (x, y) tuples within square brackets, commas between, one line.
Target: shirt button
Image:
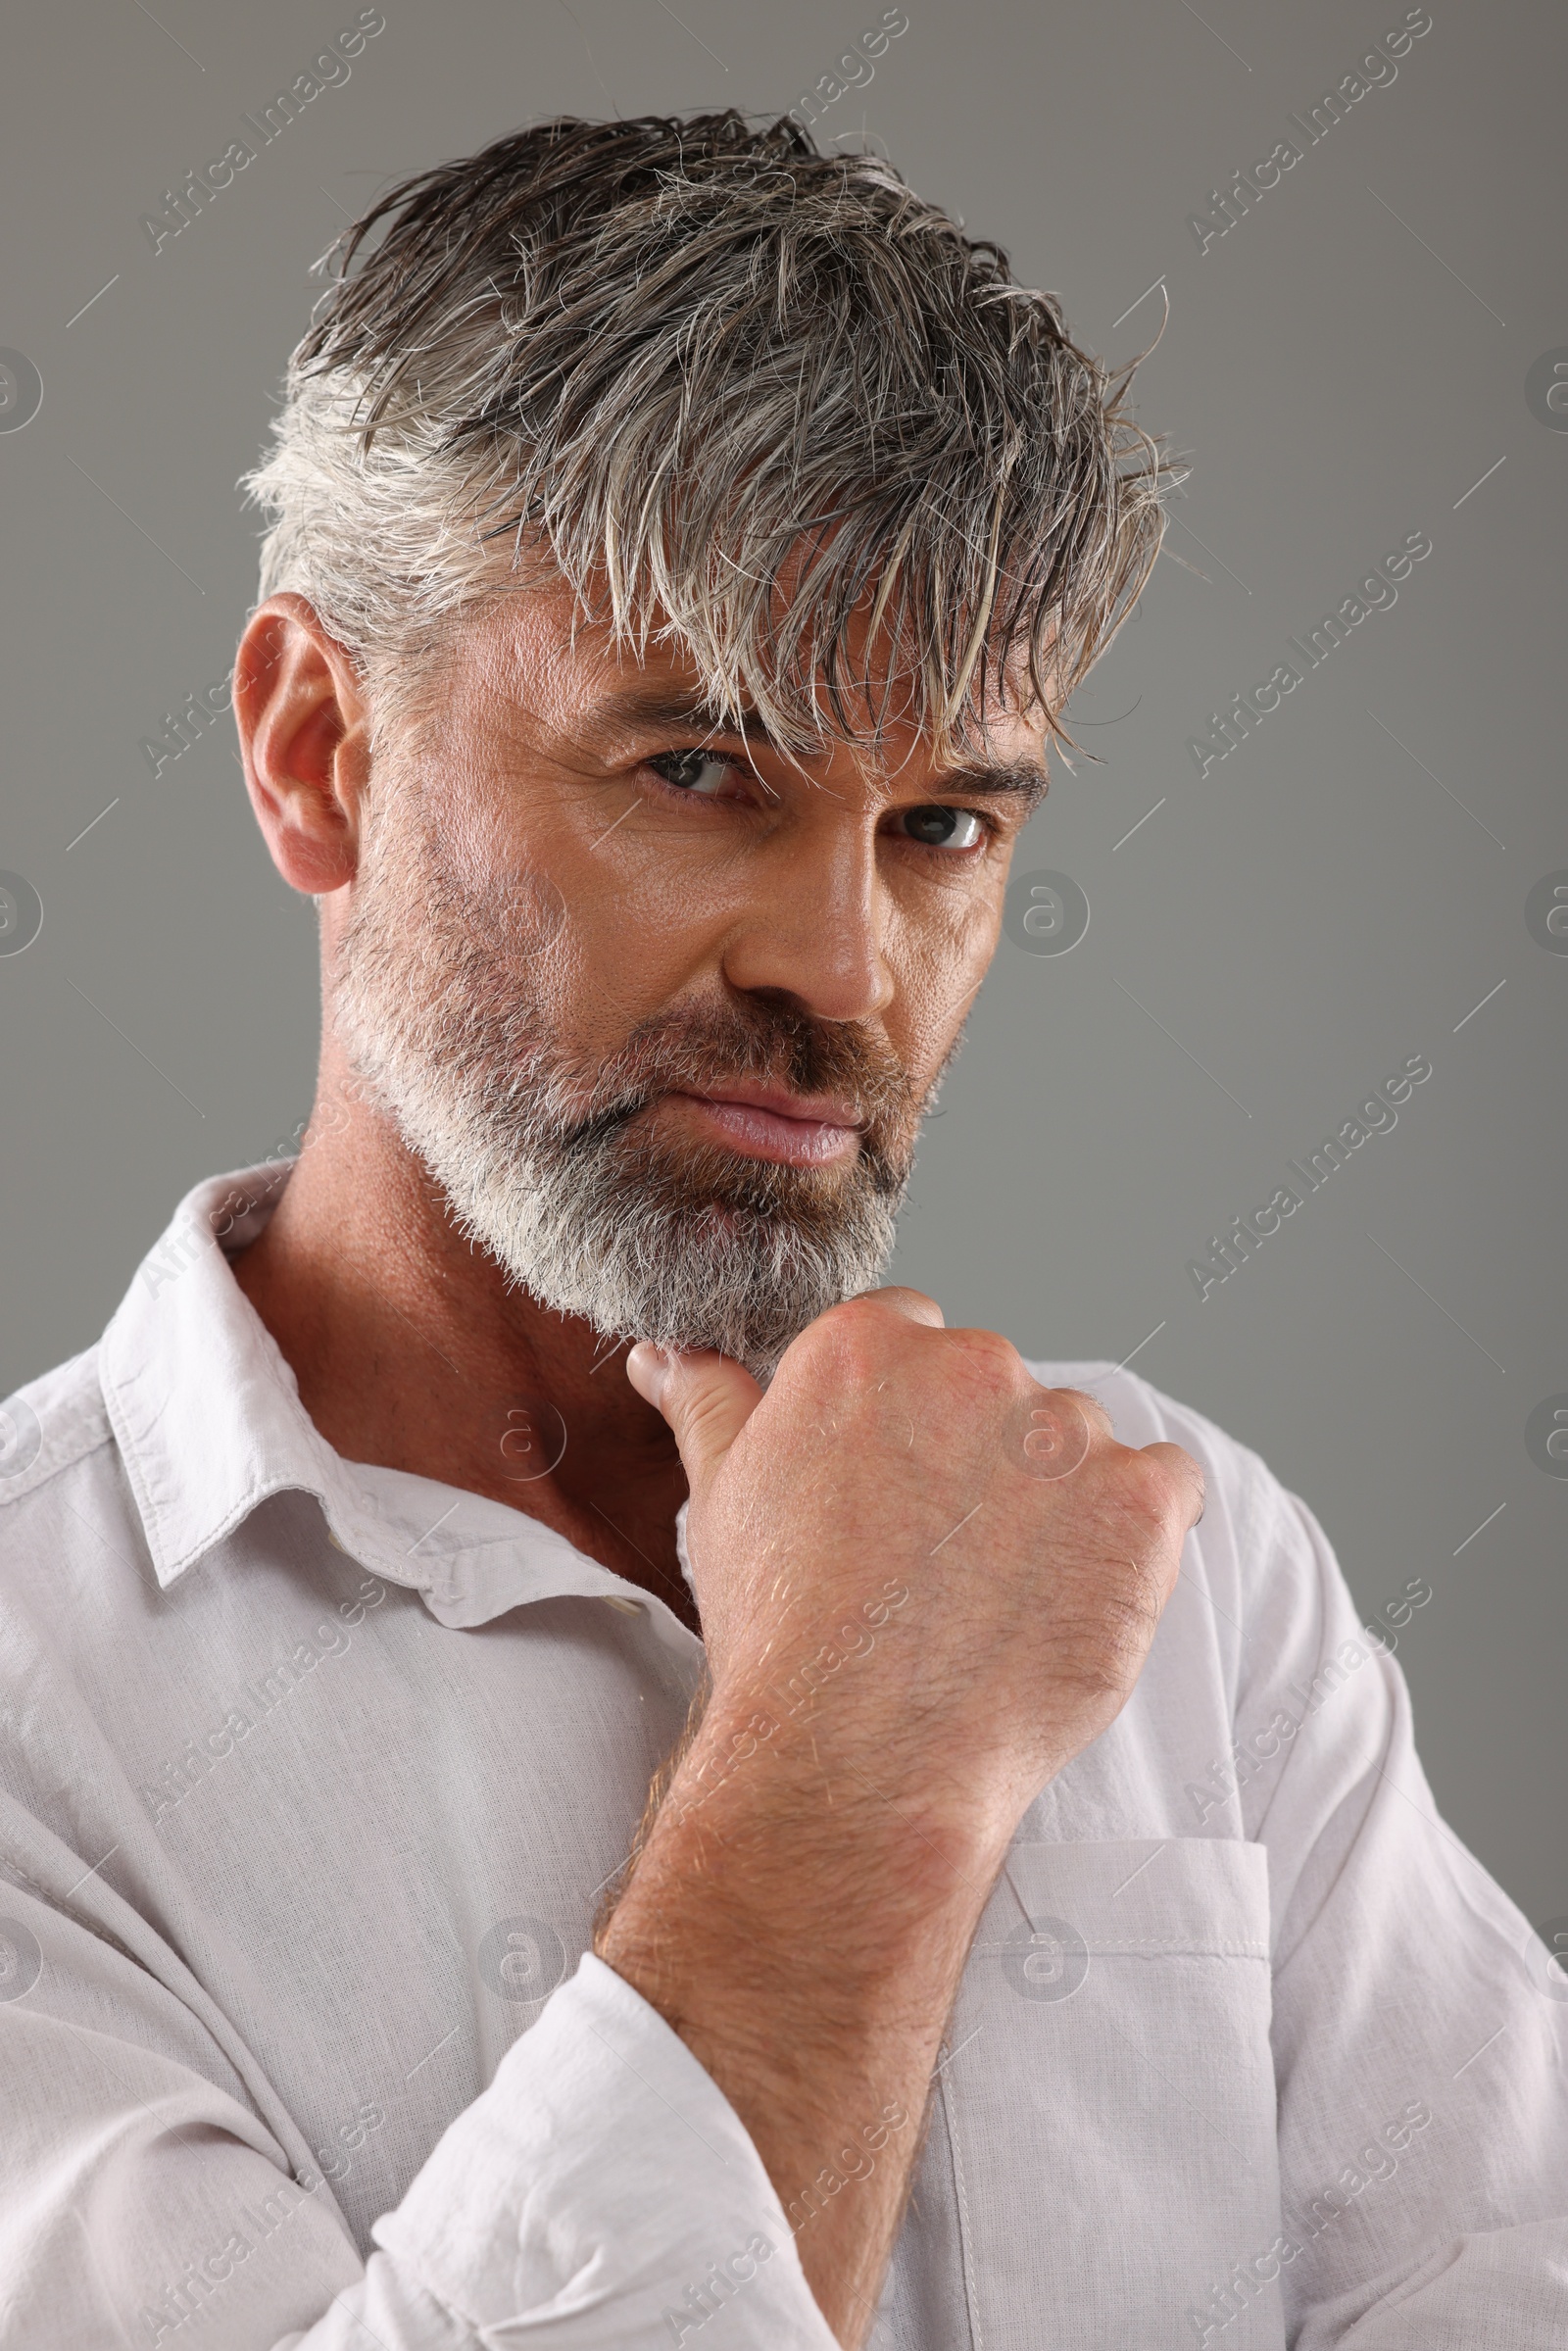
[(612, 1599)]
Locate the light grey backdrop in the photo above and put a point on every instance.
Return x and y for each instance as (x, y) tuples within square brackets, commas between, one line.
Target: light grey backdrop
[(1347, 366)]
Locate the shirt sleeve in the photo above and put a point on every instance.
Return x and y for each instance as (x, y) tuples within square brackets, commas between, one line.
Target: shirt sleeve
[(1420, 2027), (601, 2193)]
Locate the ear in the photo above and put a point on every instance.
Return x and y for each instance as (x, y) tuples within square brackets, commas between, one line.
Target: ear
[(304, 732)]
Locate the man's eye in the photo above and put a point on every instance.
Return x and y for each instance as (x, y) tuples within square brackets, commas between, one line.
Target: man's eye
[(943, 828), (702, 773)]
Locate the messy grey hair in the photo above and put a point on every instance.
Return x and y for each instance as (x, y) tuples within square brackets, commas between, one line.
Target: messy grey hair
[(682, 358)]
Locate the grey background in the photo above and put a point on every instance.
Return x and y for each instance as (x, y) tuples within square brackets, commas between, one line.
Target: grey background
[(1342, 366)]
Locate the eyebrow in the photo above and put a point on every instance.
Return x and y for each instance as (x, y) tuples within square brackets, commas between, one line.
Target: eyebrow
[(675, 707), (1022, 778), (678, 707)]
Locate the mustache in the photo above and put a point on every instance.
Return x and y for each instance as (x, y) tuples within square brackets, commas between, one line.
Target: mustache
[(754, 1043)]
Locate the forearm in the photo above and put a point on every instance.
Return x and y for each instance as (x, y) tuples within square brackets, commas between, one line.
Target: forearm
[(803, 1905), (804, 1934)]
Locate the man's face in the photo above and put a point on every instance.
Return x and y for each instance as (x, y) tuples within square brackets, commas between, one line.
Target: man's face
[(660, 1008)]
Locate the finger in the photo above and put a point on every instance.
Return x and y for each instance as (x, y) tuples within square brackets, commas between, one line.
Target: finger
[(706, 1397), (1188, 1475)]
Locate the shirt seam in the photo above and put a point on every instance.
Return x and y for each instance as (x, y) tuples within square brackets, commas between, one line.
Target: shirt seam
[(965, 2229)]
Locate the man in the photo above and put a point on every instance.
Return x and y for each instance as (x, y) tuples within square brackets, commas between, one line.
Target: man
[(1040, 1933)]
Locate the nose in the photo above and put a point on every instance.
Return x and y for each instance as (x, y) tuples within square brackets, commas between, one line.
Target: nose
[(812, 931)]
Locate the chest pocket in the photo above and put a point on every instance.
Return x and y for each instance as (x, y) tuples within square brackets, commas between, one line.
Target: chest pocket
[(1110, 2101)]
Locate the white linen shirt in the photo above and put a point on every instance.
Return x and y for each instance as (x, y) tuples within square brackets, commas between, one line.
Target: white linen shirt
[(311, 1777)]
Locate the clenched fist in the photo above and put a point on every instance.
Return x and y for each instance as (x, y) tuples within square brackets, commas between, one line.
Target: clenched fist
[(943, 1572)]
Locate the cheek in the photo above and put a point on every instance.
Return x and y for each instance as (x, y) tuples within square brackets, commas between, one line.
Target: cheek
[(616, 963), (939, 948), (477, 828), (646, 911)]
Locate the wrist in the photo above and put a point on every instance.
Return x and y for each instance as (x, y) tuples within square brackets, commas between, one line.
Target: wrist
[(774, 1841), (880, 1764)]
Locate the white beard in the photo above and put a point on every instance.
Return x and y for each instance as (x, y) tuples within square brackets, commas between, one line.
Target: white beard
[(703, 1248)]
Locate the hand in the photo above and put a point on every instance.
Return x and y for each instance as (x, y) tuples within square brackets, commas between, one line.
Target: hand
[(947, 1575)]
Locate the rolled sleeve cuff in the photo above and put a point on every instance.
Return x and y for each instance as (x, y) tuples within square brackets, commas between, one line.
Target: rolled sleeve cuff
[(603, 2192)]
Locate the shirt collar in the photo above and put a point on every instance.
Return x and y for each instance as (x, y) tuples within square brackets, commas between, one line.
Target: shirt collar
[(209, 1421)]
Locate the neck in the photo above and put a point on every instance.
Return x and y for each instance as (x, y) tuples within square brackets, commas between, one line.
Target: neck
[(413, 1352)]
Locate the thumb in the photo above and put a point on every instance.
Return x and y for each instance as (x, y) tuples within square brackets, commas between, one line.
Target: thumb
[(706, 1397)]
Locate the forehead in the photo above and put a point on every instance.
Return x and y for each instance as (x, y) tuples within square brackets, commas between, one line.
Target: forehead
[(532, 647)]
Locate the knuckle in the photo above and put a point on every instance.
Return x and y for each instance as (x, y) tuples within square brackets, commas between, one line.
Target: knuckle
[(855, 1336), (1090, 1405), (1106, 1654), (1155, 1490), (991, 1358)]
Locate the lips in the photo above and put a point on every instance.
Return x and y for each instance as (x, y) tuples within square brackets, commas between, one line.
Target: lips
[(815, 1109), (768, 1123)]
